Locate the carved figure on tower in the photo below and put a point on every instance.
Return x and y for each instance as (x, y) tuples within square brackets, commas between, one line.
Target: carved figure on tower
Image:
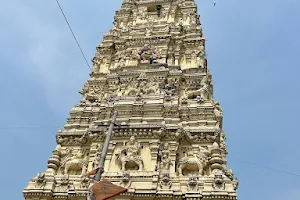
[(74, 161), (165, 161), (128, 155), (193, 92), (148, 54), (192, 164)]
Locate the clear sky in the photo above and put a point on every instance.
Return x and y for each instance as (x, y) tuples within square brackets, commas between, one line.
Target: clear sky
[(252, 48)]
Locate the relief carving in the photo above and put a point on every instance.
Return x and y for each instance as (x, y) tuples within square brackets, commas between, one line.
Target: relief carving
[(40, 180), (92, 94), (193, 163), (71, 140), (63, 184), (84, 182), (193, 184), (148, 54), (77, 161), (125, 180), (201, 137), (200, 60), (141, 86), (170, 87), (219, 183), (128, 156), (165, 182), (171, 56), (165, 161), (218, 110), (203, 93), (131, 89), (96, 159)]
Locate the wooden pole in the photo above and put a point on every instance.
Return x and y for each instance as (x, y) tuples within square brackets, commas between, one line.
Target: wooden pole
[(104, 152)]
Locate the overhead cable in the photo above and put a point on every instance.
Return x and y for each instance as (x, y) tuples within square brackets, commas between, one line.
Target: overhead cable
[(73, 35)]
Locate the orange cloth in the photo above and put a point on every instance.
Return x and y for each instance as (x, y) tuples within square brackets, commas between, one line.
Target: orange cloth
[(104, 189), (94, 172)]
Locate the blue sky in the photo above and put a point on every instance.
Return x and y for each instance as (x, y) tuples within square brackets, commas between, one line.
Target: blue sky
[(252, 52)]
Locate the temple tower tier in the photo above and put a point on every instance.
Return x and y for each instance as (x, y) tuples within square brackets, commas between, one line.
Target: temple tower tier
[(151, 68)]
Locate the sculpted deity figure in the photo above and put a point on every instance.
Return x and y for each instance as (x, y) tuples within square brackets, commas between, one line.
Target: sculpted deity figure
[(170, 87), (129, 155), (96, 160), (218, 110), (97, 60), (200, 60), (132, 147), (134, 57), (148, 54), (171, 56), (165, 162)]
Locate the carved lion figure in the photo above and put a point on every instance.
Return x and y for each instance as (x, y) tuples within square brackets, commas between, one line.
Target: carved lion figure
[(203, 92), (78, 160), (192, 162)]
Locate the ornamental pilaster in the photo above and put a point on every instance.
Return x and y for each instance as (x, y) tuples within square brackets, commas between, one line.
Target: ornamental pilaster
[(154, 147), (173, 149)]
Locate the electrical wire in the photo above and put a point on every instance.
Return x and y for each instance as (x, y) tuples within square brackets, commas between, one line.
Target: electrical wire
[(244, 161), (73, 34), (270, 168)]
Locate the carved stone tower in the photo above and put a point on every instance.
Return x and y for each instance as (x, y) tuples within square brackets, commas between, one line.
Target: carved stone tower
[(151, 68)]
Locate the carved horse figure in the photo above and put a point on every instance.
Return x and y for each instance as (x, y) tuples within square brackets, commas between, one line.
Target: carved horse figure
[(130, 159), (129, 155), (77, 160)]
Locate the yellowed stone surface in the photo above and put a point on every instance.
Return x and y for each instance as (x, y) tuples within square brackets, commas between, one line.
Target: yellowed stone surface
[(151, 68)]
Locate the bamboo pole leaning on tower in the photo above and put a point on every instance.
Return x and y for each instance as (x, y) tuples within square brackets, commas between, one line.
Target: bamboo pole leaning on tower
[(104, 189)]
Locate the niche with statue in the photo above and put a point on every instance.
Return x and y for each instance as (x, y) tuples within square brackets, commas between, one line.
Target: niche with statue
[(128, 156)]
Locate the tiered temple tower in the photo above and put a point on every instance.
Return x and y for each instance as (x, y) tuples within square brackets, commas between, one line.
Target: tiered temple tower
[(151, 68)]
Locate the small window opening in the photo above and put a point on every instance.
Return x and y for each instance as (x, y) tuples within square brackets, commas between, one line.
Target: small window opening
[(155, 8), (151, 8)]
